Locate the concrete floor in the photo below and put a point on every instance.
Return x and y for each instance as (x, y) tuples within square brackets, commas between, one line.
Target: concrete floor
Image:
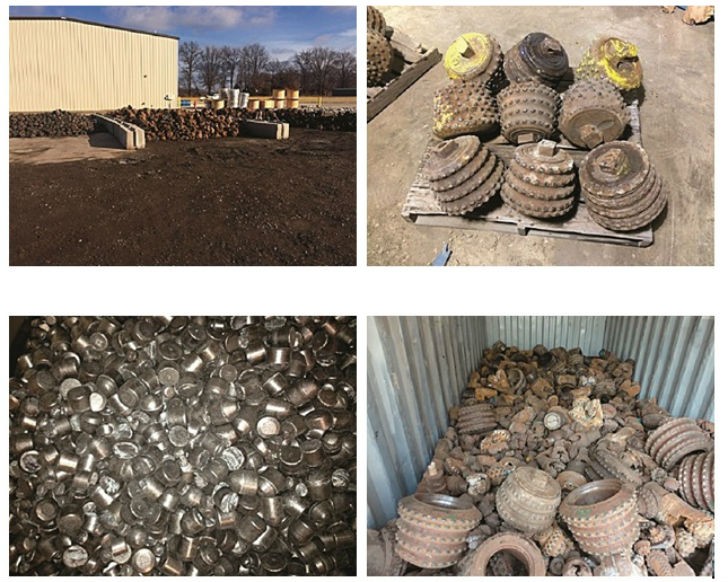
[(677, 131)]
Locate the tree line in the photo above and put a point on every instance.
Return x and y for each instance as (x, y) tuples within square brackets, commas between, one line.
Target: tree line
[(315, 71)]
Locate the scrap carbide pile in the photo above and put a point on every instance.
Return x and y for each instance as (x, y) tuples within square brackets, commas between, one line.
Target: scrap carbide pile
[(621, 187), (184, 446), (540, 181), (571, 473), (53, 124), (464, 174), (379, 50), (591, 112)]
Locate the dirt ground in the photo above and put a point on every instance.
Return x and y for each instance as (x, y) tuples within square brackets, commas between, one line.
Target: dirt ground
[(677, 121), (235, 201)]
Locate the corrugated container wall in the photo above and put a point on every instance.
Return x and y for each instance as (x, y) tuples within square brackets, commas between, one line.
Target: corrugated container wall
[(75, 66), (417, 367)]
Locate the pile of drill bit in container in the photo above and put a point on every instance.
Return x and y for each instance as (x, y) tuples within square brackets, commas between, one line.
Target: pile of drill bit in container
[(552, 464), (184, 446)]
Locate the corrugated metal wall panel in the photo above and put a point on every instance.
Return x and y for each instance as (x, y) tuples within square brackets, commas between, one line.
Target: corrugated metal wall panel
[(552, 331), (59, 64), (674, 359), (416, 368)]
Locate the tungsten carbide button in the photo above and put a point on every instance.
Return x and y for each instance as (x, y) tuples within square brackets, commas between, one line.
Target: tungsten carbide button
[(321, 513), (302, 392), (278, 408), (273, 563), (75, 556), (244, 482), (20, 443), (143, 560), (137, 537), (319, 420), (275, 384), (313, 455), (319, 484), (293, 426), (233, 457), (100, 497), (250, 527), (46, 510), (78, 398), (265, 540), (178, 436), (255, 352), (272, 510), (172, 565), (67, 462), (169, 472), (268, 426), (30, 461), (300, 531)]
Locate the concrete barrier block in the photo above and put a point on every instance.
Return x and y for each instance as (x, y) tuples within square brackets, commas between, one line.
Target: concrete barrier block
[(265, 129)]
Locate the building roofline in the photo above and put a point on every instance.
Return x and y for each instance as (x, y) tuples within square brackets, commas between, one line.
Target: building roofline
[(78, 20)]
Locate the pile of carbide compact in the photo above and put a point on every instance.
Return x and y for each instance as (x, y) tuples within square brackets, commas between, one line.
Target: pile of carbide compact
[(184, 446)]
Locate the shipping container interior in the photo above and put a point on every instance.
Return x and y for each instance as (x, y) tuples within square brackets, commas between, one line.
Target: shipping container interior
[(418, 366)]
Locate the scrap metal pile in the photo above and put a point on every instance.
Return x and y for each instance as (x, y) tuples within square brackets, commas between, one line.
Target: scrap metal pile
[(52, 124), (184, 446), (551, 464), (516, 96), (180, 124), (200, 124), (380, 54)]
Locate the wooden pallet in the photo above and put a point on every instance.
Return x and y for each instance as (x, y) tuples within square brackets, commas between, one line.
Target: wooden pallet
[(422, 208), (413, 62)]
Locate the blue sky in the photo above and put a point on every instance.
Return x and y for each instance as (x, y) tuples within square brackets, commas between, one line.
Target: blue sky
[(283, 30)]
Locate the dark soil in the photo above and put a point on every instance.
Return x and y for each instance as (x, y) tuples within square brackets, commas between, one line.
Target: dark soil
[(234, 201)]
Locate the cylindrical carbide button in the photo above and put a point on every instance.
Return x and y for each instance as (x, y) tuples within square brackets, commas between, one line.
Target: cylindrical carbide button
[(275, 384), (302, 392), (265, 540), (172, 566), (244, 482), (267, 426), (78, 398), (143, 561), (313, 454), (75, 556), (300, 531), (272, 510), (271, 482), (250, 527), (319, 484)]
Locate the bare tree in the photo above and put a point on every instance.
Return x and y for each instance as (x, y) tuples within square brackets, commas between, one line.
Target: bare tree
[(321, 62), (229, 58), (254, 58), (210, 68), (302, 60), (189, 58), (346, 69)]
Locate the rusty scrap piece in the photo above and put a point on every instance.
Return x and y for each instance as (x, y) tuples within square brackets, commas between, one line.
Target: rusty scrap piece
[(524, 555), (474, 55), (528, 112), (675, 439), (605, 464), (592, 112), (576, 567), (697, 480), (614, 60), (622, 189), (432, 529), (375, 20), (464, 107), (602, 517), (540, 182), (379, 58), (476, 419), (537, 57), (463, 174), (528, 499)]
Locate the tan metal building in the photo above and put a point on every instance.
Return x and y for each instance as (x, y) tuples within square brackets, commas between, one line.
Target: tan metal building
[(74, 65)]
